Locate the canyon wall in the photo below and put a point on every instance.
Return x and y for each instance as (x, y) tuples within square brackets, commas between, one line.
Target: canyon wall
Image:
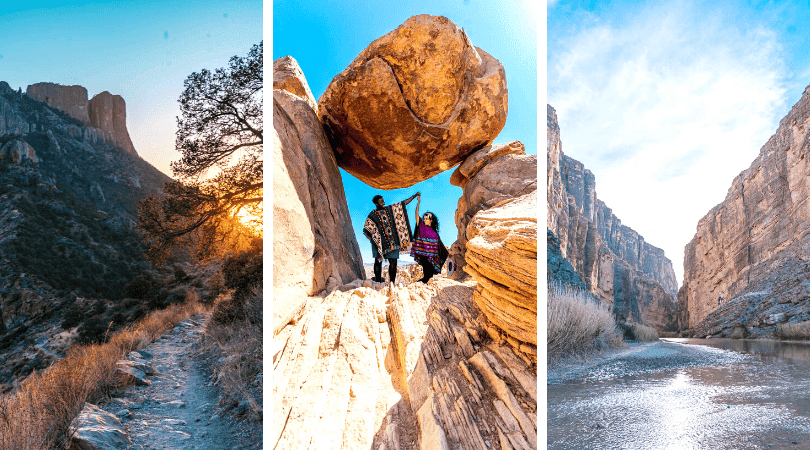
[(614, 261), (745, 252)]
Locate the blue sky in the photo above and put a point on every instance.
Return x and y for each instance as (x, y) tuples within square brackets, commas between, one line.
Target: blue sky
[(141, 50), (324, 37), (667, 102)]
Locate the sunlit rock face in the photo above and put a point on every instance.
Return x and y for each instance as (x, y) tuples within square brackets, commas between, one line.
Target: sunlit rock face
[(414, 103), (315, 248), (614, 261), (489, 176), (760, 230), (288, 76), (70, 99)]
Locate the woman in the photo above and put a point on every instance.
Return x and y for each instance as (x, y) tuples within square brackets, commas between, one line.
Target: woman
[(427, 248)]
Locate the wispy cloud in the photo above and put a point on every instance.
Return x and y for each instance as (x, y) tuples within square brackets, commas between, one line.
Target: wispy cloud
[(666, 109)]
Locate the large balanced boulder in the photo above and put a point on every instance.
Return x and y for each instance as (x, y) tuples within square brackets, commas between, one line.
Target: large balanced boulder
[(502, 258), (314, 246), (414, 103), (489, 176)]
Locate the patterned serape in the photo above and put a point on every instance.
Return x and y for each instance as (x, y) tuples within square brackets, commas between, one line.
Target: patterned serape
[(427, 243), (388, 228)]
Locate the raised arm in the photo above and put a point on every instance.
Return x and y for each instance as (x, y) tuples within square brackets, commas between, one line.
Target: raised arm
[(410, 199), (418, 201)]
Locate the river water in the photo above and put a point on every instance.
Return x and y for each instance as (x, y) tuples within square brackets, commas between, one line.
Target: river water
[(684, 394)]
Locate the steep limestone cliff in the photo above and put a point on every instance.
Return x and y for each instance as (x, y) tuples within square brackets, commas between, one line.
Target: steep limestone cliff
[(105, 112), (614, 261), (760, 230)]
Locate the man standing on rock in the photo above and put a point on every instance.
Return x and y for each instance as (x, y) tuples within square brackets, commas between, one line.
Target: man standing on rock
[(388, 229)]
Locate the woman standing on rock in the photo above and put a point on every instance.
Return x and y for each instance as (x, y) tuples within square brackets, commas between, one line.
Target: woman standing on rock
[(428, 249)]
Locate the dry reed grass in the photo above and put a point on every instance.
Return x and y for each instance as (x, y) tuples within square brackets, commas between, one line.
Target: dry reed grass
[(37, 414), (793, 331), (577, 324), (642, 332)]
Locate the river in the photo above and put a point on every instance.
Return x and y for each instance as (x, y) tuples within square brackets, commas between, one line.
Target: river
[(684, 394)]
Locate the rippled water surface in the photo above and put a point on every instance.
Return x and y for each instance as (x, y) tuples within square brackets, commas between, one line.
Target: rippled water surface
[(685, 394)]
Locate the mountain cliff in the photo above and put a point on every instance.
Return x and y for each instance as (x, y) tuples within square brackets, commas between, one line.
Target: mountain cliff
[(614, 261), (68, 206), (747, 265)]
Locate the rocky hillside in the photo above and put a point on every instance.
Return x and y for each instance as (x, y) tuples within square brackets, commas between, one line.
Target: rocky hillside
[(747, 266), (359, 364), (68, 196), (614, 261)]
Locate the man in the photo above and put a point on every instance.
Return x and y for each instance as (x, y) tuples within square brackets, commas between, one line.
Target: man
[(388, 229)]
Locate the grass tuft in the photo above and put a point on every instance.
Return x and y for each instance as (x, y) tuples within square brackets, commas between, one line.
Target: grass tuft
[(577, 324), (641, 332)]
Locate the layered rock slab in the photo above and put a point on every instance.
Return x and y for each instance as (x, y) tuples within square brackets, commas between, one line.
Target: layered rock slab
[(761, 229), (615, 262), (414, 103), (489, 176), (315, 248)]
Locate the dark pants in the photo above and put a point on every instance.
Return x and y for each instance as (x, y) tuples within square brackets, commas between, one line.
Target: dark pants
[(427, 268), (392, 270)]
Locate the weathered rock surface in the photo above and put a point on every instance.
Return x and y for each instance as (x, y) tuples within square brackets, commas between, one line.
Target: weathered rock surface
[(414, 103), (12, 121), (401, 367), (109, 113), (747, 248), (614, 261), (96, 429), (502, 258), (314, 245), (288, 76), (70, 99), (558, 269), (18, 151), (489, 176)]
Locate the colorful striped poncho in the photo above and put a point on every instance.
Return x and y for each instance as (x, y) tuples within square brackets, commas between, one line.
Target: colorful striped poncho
[(388, 229), (427, 243)]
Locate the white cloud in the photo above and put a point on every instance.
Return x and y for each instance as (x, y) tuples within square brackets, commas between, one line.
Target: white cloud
[(666, 109)]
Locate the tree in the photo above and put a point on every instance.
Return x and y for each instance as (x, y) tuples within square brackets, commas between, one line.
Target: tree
[(219, 176)]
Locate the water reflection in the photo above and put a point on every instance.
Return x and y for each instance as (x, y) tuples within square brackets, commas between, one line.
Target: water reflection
[(757, 401)]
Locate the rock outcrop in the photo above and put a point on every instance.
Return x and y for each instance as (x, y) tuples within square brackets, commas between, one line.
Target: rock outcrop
[(489, 176), (747, 249), (109, 113), (415, 366), (315, 248), (70, 99), (502, 257), (614, 261), (558, 269), (288, 76), (105, 112), (96, 429), (18, 151), (414, 103)]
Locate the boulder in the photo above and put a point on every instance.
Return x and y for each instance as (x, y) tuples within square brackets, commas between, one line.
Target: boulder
[(19, 151), (314, 244), (502, 257), (96, 429), (414, 103), (288, 76), (489, 176), (109, 113), (69, 99)]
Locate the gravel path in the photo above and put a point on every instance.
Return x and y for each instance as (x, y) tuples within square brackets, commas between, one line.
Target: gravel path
[(179, 409)]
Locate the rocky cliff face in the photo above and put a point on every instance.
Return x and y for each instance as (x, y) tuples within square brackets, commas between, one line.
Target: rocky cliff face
[(315, 246), (760, 230), (105, 112), (614, 261)]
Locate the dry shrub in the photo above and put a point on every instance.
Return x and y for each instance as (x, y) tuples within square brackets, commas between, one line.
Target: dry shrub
[(793, 331), (38, 413), (235, 334), (641, 332), (577, 324)]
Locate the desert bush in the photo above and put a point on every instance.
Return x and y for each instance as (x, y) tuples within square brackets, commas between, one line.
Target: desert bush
[(577, 324), (37, 414), (793, 331), (640, 332)]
